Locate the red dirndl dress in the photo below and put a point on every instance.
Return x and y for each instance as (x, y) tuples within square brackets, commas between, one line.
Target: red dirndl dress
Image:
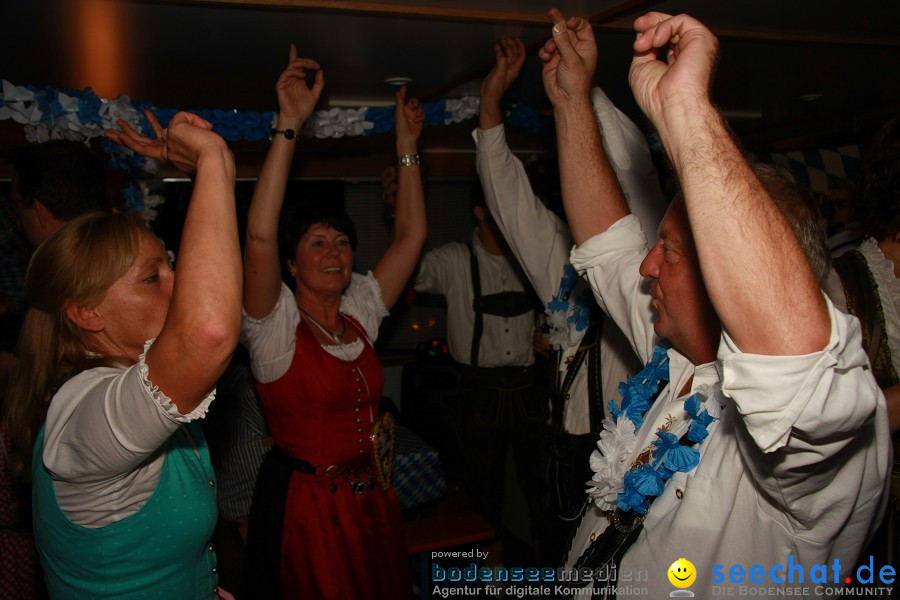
[(334, 543)]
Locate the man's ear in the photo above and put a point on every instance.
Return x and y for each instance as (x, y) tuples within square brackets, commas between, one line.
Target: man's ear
[(42, 213), (48, 222), (85, 317), (480, 213), (292, 267)]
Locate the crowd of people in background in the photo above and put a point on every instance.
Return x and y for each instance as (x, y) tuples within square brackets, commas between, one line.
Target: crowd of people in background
[(724, 388)]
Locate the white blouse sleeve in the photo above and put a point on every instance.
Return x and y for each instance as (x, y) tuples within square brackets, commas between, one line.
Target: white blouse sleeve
[(104, 422), (362, 300), (272, 339)]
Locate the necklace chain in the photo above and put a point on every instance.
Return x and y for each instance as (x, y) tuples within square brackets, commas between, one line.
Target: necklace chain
[(337, 336)]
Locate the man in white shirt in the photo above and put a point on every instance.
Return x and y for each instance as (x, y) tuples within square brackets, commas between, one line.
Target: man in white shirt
[(589, 354), (490, 328), (763, 459)]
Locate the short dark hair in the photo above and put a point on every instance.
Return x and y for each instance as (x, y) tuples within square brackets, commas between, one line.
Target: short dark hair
[(298, 220), (65, 176)]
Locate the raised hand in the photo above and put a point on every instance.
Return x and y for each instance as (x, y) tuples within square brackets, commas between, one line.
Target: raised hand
[(570, 59), (684, 79), (296, 99), (409, 119), (510, 53), (510, 56), (181, 144)]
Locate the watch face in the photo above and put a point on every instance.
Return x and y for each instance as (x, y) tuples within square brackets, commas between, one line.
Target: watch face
[(288, 133)]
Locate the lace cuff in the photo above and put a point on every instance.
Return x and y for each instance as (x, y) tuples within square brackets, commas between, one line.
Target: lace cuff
[(163, 402)]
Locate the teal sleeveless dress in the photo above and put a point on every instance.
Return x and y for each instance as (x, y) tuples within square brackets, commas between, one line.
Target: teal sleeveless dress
[(162, 551)]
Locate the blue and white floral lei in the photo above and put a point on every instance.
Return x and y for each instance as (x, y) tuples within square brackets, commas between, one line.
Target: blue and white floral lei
[(614, 484)]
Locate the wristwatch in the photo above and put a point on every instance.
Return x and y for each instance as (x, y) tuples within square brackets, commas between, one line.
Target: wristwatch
[(288, 133)]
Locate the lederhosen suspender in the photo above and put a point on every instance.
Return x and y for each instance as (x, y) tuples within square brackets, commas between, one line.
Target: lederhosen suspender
[(590, 349)]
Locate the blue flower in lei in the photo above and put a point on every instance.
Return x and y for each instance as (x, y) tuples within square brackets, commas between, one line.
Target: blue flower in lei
[(557, 305), (560, 302), (669, 454), (675, 456), (581, 311), (700, 420), (641, 483), (648, 481), (636, 391), (582, 307), (616, 487)]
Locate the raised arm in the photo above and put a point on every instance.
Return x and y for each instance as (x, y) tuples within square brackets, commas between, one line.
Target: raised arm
[(755, 271), (400, 258), (510, 56), (508, 194), (591, 194), (296, 101), (204, 317)]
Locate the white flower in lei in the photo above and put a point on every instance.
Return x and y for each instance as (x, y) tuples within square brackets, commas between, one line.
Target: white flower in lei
[(616, 444), (617, 483), (558, 333)]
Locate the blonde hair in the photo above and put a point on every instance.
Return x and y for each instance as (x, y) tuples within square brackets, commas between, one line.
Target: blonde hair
[(74, 266)]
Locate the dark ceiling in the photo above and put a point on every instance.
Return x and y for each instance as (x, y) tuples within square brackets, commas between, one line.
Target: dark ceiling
[(793, 73)]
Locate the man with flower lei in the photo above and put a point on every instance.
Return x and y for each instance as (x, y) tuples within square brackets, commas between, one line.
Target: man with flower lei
[(540, 241), (759, 436)]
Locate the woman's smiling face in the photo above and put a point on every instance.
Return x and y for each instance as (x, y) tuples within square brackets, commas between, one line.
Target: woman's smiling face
[(323, 261)]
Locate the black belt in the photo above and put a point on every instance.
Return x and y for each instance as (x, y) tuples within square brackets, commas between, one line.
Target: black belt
[(357, 473)]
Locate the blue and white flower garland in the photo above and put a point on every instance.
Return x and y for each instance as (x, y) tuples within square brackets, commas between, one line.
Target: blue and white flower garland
[(560, 319), (616, 486), (48, 113)]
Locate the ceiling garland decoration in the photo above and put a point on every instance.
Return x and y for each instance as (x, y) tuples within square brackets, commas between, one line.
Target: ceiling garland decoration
[(50, 113)]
